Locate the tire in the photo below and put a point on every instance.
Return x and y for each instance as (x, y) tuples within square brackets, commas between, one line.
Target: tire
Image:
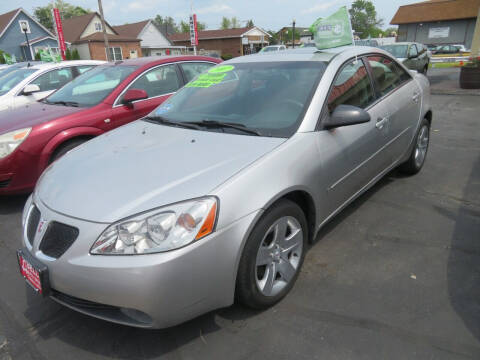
[(64, 148), (283, 256), (419, 152)]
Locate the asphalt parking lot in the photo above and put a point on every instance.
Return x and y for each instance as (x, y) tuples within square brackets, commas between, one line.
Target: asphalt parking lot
[(395, 276)]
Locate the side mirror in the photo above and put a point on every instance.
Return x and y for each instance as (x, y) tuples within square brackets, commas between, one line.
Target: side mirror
[(30, 89), (132, 95), (345, 115)]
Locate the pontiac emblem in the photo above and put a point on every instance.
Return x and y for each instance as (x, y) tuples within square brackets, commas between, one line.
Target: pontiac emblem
[(40, 225)]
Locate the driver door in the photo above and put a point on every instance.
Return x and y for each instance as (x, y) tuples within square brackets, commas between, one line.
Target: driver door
[(159, 83), (353, 154)]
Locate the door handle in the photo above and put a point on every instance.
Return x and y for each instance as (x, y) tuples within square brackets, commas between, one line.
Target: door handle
[(381, 122), (415, 97)]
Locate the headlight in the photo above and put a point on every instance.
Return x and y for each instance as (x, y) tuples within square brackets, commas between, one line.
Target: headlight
[(10, 141), (159, 230)]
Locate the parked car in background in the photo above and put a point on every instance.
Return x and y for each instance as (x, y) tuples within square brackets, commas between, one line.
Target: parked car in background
[(447, 49), (414, 56), (461, 48), (366, 42), (216, 194), (28, 84), (9, 68), (111, 95), (271, 48)]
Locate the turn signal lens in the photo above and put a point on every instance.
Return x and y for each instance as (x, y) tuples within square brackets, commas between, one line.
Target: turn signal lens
[(209, 223)]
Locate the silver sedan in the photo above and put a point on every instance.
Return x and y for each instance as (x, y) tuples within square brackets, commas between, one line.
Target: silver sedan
[(215, 195)]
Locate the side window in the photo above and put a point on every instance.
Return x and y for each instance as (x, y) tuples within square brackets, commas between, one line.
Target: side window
[(386, 75), (83, 68), (54, 79), (413, 50), (158, 81), (351, 87), (192, 69)]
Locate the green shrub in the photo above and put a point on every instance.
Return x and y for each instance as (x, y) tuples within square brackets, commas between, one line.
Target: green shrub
[(75, 55), (227, 57), (68, 54), (37, 56)]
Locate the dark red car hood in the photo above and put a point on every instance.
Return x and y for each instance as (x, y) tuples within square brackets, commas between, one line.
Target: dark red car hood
[(33, 114)]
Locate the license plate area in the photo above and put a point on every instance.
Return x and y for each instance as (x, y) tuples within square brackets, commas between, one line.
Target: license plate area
[(34, 272)]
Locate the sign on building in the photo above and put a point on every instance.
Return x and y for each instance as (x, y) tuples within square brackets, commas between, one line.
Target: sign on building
[(439, 32)]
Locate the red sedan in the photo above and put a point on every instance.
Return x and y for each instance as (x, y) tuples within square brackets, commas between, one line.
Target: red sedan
[(99, 100)]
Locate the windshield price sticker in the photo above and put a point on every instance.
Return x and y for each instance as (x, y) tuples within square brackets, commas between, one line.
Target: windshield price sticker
[(212, 77)]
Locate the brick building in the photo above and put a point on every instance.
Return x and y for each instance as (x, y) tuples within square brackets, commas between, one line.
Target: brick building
[(86, 35), (235, 42)]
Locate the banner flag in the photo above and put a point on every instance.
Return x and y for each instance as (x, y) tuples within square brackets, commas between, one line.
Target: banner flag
[(333, 31), (59, 31)]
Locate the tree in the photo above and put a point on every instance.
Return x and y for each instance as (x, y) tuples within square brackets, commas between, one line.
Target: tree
[(273, 37), (166, 24), (75, 55), (364, 18), (68, 54), (391, 31), (250, 23), (234, 23), (226, 24), (44, 13), (185, 26)]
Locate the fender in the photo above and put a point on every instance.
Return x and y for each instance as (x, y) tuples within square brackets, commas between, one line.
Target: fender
[(63, 136)]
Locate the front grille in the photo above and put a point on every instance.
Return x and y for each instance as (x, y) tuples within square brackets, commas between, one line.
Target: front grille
[(57, 239), (32, 224), (4, 183)]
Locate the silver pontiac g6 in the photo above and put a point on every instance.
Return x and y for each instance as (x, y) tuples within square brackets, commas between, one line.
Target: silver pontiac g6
[(215, 195)]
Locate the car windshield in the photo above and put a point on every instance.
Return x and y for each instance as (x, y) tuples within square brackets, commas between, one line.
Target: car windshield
[(399, 51), (269, 98), (90, 88), (11, 79)]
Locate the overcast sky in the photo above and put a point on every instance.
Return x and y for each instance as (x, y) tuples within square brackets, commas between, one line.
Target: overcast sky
[(268, 14)]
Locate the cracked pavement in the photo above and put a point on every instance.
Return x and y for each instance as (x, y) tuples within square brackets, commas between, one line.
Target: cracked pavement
[(394, 276)]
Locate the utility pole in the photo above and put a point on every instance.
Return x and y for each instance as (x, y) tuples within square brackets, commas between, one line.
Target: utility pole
[(104, 28), (293, 34)]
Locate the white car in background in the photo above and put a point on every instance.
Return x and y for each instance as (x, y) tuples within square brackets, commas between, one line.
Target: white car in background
[(31, 83), (271, 48)]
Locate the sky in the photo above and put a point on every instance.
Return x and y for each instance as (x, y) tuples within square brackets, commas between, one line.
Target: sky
[(268, 14)]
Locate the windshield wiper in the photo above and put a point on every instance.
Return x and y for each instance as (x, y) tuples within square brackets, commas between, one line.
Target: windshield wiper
[(161, 120), (60, 102), (221, 124)]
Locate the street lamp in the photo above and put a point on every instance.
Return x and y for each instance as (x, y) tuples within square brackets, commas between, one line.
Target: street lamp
[(24, 26), (293, 34)]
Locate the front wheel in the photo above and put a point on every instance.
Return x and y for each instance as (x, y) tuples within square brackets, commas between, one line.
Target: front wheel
[(273, 256), (419, 152)]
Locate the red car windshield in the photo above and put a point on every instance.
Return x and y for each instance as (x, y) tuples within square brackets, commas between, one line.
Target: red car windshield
[(90, 88)]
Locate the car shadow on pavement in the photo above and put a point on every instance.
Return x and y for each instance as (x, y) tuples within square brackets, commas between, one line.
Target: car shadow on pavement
[(12, 204), (463, 268)]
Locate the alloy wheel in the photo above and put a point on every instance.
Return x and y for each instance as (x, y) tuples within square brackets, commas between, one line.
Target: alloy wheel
[(279, 255), (421, 146)]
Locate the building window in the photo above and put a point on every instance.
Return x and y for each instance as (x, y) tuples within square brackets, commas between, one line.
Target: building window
[(98, 26), (24, 25), (116, 53)]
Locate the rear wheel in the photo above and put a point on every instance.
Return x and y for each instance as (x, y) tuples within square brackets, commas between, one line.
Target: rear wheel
[(419, 152), (273, 256)]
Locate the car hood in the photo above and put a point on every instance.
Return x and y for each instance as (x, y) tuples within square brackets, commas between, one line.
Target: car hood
[(31, 115), (142, 166)]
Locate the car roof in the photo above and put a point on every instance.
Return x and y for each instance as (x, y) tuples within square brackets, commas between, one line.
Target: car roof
[(148, 60), (53, 65), (307, 54)]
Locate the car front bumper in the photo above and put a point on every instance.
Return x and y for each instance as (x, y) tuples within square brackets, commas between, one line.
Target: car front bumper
[(151, 290), (18, 172)]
